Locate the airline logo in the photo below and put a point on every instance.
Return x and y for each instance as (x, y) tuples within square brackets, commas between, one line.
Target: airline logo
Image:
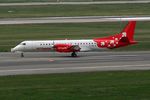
[(110, 42), (124, 34), (102, 43)]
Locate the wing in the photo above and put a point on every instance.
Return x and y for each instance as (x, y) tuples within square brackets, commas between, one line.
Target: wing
[(75, 48), (66, 48)]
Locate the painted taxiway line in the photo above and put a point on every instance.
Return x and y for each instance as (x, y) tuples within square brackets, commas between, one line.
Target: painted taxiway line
[(82, 19), (73, 3), (73, 69)]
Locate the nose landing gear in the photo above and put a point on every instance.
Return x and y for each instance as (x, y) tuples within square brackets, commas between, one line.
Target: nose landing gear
[(22, 55), (73, 54)]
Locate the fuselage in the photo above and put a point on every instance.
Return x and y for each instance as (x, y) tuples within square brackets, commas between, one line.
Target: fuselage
[(47, 45)]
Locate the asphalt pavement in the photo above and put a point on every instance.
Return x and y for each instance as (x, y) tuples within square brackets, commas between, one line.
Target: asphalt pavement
[(81, 19), (74, 3), (43, 63)]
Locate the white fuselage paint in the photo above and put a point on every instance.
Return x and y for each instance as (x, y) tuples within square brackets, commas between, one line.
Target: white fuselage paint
[(47, 45)]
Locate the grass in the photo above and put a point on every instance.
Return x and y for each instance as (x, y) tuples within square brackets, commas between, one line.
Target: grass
[(130, 85), (14, 1), (22, 1), (75, 10), (11, 35)]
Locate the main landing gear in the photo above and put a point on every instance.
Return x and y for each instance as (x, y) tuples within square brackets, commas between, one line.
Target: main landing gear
[(22, 55), (74, 54)]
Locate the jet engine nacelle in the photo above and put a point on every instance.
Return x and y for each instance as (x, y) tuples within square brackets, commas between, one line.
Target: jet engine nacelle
[(63, 48)]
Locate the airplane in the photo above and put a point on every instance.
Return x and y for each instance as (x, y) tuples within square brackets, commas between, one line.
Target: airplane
[(124, 38)]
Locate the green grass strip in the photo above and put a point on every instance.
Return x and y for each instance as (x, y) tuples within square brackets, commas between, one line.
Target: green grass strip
[(21, 1), (130, 85), (75, 10)]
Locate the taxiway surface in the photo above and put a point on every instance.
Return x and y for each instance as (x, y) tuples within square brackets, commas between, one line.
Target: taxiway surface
[(42, 63), (74, 3), (79, 19)]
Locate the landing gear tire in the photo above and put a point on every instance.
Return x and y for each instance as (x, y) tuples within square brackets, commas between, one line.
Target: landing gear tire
[(74, 54), (22, 55)]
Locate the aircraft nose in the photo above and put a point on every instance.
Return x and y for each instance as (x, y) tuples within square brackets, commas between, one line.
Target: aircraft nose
[(12, 50), (15, 49)]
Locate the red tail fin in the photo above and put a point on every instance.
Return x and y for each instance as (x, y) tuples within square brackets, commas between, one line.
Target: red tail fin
[(128, 31), (124, 38)]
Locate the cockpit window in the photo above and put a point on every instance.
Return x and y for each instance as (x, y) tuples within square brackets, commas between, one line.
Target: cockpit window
[(23, 43)]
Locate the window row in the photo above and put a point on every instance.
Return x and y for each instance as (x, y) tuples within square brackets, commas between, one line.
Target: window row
[(72, 43)]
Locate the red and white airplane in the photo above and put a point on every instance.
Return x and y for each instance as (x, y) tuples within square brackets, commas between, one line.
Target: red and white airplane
[(121, 39)]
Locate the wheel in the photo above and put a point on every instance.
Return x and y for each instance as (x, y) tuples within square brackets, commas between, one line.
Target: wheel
[(22, 55), (74, 54)]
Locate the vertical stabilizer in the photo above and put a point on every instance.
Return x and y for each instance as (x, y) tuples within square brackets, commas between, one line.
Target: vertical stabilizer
[(129, 29), (124, 38)]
